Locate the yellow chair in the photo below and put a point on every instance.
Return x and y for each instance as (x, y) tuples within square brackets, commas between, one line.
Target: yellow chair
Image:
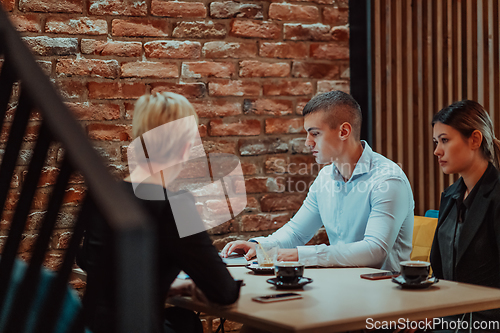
[(423, 234)]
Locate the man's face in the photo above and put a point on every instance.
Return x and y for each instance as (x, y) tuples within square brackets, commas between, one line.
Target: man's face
[(323, 140)]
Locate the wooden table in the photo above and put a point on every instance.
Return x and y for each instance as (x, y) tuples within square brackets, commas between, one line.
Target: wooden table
[(339, 300)]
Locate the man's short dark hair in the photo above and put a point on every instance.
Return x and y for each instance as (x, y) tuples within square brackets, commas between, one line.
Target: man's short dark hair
[(339, 107)]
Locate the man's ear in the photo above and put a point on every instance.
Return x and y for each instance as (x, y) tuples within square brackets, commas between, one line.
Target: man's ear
[(476, 139), (345, 130)]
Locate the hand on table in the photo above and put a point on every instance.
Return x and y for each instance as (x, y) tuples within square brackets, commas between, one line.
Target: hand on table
[(242, 247), (181, 287), (288, 255)]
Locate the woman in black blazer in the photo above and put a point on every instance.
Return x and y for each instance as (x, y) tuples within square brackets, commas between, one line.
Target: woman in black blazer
[(466, 245)]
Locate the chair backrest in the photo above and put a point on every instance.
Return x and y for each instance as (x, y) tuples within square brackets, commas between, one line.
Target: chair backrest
[(423, 235), (21, 289), (432, 213)]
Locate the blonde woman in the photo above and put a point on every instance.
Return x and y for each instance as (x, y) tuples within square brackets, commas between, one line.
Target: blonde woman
[(166, 124)]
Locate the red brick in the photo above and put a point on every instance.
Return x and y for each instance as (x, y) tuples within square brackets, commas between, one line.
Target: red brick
[(30, 135), (8, 5), (315, 70), (112, 48), (249, 168), (200, 29), (288, 12), (216, 108), (330, 51), (288, 88), (109, 132), (109, 153), (316, 32), (143, 69), (298, 146), (325, 86), (277, 164), (46, 66), (229, 9), (46, 46), (301, 105), (255, 29), (202, 129), (263, 221), (224, 228), (129, 110), (71, 89), (271, 107), (76, 26), (28, 22), (95, 111), (298, 184), (115, 90), (173, 49), (335, 16), (118, 7), (139, 28), (345, 72), (219, 146), (229, 50), (284, 126), (260, 146), (74, 195), (88, 67), (257, 185), (279, 202), (194, 169), (62, 6), (178, 9), (284, 50), (254, 68), (207, 69), (188, 90), (340, 33), (321, 237), (48, 176), (233, 88), (242, 127), (303, 165)]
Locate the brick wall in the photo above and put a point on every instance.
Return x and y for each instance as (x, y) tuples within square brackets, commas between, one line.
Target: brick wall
[(248, 67)]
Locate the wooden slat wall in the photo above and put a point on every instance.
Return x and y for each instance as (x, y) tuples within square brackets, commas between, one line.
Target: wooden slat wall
[(426, 55)]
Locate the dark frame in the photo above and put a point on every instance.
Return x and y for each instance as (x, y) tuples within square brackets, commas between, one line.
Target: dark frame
[(360, 50)]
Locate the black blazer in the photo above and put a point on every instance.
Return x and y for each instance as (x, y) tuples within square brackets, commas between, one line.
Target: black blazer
[(479, 240)]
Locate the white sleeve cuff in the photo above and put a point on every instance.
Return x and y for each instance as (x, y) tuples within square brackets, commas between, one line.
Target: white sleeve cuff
[(308, 255)]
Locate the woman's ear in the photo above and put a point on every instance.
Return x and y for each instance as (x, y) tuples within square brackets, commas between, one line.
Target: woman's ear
[(476, 139), (345, 130)]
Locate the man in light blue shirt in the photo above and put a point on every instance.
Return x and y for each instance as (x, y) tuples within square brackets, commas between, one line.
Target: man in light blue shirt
[(363, 199)]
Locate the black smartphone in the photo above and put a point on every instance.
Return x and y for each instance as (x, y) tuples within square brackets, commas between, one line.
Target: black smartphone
[(277, 297), (379, 276)]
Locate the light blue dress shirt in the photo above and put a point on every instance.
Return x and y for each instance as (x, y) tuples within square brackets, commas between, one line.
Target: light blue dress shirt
[(368, 219)]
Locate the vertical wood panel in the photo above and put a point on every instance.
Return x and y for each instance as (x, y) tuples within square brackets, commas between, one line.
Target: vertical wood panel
[(426, 55)]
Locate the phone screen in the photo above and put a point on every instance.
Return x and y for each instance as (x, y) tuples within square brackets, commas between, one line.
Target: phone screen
[(378, 276), (277, 297)]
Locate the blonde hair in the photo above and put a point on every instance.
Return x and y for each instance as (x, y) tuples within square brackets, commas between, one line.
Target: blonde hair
[(158, 109)]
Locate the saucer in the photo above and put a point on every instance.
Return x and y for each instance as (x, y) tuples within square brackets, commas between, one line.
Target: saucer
[(424, 284), (259, 269), (289, 285)]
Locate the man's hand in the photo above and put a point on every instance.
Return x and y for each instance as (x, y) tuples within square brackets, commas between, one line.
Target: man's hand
[(242, 247), (181, 287), (288, 255)]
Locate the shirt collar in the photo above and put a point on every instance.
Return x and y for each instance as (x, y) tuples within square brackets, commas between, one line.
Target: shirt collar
[(363, 164)]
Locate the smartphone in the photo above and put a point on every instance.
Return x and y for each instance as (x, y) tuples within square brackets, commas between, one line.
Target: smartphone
[(276, 297), (379, 276)]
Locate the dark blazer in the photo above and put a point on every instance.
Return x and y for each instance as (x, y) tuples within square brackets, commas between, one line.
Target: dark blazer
[(478, 256)]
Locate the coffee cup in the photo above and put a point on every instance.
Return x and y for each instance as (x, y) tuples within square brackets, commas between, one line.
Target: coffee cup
[(414, 272), (289, 272)]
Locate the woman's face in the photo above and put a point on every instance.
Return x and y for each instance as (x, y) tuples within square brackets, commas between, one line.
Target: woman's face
[(455, 153)]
